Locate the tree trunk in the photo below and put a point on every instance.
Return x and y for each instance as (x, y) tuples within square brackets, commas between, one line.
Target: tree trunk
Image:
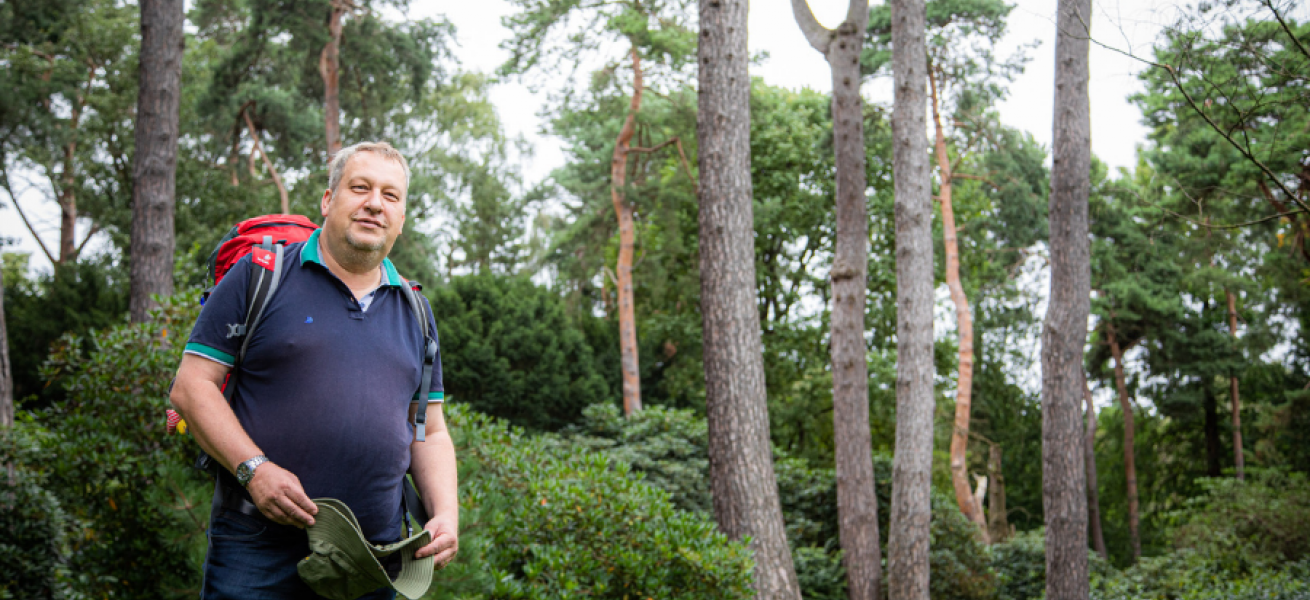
[(68, 204), (154, 173), (1064, 482), (1093, 494), (6, 376), (1238, 460), (964, 325), (907, 546), (329, 67), (268, 164), (1210, 406), (857, 503), (1130, 455), (998, 520), (744, 489), (627, 240)]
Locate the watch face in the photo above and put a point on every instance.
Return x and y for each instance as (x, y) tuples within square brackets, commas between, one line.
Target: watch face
[(243, 473)]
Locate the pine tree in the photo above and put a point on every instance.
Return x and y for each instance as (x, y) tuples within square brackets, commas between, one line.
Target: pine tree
[(1064, 484)]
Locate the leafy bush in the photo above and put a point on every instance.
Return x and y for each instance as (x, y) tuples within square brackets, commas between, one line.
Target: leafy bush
[(1020, 565), (1262, 522), (669, 447), (542, 520), (33, 524), (1186, 575), (141, 511), (508, 349)]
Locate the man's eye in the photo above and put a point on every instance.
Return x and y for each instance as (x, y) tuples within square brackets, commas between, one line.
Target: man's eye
[(360, 188)]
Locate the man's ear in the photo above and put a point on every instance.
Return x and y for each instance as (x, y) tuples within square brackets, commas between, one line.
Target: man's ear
[(323, 204)]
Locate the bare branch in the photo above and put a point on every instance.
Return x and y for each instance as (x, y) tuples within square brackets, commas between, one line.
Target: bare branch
[(1173, 75), (4, 179), (1277, 15), (281, 189), (816, 34)]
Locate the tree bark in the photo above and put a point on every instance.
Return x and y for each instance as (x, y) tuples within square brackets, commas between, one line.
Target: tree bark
[(68, 204), (1130, 454), (971, 508), (268, 164), (907, 546), (627, 240), (998, 519), (1238, 459), (1093, 494), (744, 489), (154, 173), (329, 68), (1210, 406), (857, 503), (1064, 482), (6, 376)]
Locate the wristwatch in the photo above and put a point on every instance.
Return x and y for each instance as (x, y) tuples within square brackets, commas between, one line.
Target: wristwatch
[(246, 470)]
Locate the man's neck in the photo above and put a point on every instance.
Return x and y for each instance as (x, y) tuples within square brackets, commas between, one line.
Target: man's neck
[(361, 275)]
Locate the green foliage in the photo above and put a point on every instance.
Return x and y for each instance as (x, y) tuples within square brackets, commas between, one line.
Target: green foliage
[(510, 349), (543, 520), (1263, 522), (77, 299), (1187, 576), (33, 525), (140, 510), (669, 447)]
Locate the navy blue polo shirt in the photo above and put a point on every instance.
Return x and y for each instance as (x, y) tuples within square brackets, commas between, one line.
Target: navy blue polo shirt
[(326, 385)]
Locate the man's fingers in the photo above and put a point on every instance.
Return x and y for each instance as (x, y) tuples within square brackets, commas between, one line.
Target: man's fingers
[(295, 514), (444, 557)]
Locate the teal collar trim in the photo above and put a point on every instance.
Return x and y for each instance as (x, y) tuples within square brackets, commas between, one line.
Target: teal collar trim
[(309, 254)]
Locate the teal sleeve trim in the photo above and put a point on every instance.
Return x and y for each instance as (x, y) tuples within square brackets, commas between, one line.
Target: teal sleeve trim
[(432, 397), (217, 356)]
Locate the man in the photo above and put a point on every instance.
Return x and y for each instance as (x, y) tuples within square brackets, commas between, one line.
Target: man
[(323, 395)]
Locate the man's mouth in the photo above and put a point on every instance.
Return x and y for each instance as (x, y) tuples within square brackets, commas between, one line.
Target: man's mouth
[(371, 223)]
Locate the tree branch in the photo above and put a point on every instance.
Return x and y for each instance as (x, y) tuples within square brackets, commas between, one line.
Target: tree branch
[(4, 177), (95, 228), (1270, 5), (1173, 75), (816, 34), (281, 189)]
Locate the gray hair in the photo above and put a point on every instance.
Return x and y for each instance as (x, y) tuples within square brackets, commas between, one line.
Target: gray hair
[(338, 165)]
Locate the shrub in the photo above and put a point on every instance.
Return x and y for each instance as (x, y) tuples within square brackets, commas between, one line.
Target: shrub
[(1186, 575), (543, 521), (141, 511), (33, 525), (669, 447), (508, 349), (1262, 522)]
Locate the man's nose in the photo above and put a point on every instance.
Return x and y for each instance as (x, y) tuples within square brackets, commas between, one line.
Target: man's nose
[(374, 201)]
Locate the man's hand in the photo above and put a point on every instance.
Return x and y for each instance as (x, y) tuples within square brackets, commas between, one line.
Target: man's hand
[(445, 541), (279, 495)]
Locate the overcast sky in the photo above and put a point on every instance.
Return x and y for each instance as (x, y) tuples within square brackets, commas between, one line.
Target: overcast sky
[(1116, 127)]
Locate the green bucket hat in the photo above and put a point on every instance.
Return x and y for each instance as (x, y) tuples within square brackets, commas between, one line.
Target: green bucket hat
[(345, 566)]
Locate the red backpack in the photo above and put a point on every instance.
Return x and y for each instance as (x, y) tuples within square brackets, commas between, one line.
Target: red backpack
[(265, 232)]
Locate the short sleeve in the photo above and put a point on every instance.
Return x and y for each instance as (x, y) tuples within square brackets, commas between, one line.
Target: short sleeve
[(225, 306)]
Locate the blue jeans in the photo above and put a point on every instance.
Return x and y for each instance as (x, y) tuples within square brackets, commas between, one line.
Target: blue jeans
[(252, 558)]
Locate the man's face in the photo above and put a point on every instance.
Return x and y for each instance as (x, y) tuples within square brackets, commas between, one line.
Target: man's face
[(367, 210)]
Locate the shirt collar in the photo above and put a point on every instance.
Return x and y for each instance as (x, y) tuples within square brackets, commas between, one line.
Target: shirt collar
[(309, 254)]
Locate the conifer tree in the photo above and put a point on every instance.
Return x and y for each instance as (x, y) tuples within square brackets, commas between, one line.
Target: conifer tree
[(857, 504), (1064, 484)]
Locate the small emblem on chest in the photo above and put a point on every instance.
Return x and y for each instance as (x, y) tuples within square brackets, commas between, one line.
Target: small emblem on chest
[(309, 319)]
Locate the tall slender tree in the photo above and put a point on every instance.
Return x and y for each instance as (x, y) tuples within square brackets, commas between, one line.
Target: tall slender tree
[(1130, 433), (154, 169), (1089, 456), (907, 545), (1064, 483), (1239, 461), (742, 481), (329, 68), (857, 505), (6, 376)]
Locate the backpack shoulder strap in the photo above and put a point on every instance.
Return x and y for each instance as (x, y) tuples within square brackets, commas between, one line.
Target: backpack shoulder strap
[(266, 262), (420, 309)]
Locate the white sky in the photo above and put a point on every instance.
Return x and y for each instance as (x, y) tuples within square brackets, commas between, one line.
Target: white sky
[(1116, 128)]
